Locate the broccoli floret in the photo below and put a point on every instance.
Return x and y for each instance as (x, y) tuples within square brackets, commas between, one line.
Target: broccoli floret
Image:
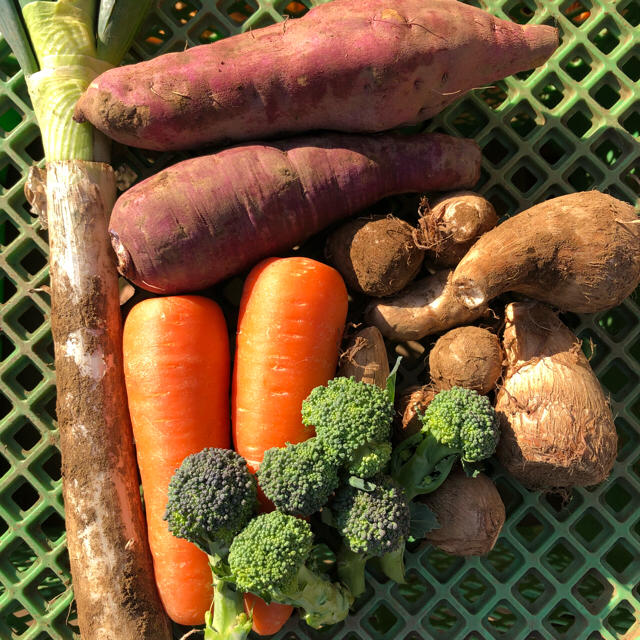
[(211, 497), (373, 522), (348, 414), (459, 424), (298, 478), (268, 558), (369, 459)]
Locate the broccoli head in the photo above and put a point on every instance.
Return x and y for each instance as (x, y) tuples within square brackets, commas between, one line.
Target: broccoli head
[(369, 459), (348, 414), (459, 424), (373, 522), (298, 478), (268, 558), (212, 496)]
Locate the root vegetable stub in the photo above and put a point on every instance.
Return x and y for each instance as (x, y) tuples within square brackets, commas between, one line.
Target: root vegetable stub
[(365, 358), (210, 217), (411, 403), (579, 252), (450, 225), (425, 307), (557, 429), (376, 256), (470, 512), (469, 357)]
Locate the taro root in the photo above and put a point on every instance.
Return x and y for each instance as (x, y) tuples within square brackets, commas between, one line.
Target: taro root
[(557, 429), (412, 402), (376, 256), (470, 513), (365, 358), (469, 357), (448, 227), (426, 306), (579, 252)]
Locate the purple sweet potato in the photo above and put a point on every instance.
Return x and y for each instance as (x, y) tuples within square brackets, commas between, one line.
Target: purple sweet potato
[(204, 219), (353, 66)]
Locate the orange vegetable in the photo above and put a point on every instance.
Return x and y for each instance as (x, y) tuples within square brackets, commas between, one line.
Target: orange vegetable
[(291, 320), (176, 364), (267, 618)]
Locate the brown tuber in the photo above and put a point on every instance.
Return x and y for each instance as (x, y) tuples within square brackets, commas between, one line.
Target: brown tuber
[(410, 404), (557, 429), (426, 306), (450, 225), (376, 256), (470, 512), (365, 358), (469, 357)]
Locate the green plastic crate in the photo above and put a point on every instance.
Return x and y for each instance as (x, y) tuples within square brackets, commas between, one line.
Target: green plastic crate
[(566, 568)]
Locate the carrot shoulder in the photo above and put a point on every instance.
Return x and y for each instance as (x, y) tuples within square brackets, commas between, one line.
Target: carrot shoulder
[(176, 361), (291, 320), (267, 618)]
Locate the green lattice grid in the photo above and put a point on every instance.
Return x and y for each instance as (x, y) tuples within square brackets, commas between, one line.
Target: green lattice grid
[(568, 571)]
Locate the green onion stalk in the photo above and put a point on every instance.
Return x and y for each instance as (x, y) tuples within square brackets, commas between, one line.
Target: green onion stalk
[(61, 47)]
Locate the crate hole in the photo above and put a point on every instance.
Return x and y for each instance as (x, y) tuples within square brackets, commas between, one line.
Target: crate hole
[(552, 152), (7, 289), (606, 36), (608, 152), (45, 349), (154, 35), (631, 122), (29, 378), (19, 620), (531, 530), (593, 590), (382, 620), (294, 9), (49, 585), (606, 95), (561, 558), (211, 34), (626, 438), (524, 180), (8, 233), (550, 92), (578, 65), (441, 564), (581, 179), (577, 12), (523, 122), (521, 12), (444, 617), (617, 322), (53, 466), (502, 201), (618, 379), (35, 149), (183, 11), (472, 591), (579, 121), (564, 621), (9, 65), (31, 318), (414, 593), (5, 465), (631, 67), (237, 11), (9, 176), (502, 560), (468, 120), (25, 496), (502, 618), (632, 178), (621, 619), (533, 590), (618, 498), (5, 406), (493, 96), (10, 118), (630, 12), (265, 20), (53, 527), (27, 436), (21, 556), (588, 529), (619, 558), (497, 152), (510, 496), (34, 261)]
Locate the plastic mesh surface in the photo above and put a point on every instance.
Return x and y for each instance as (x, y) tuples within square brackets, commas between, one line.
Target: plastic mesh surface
[(561, 569)]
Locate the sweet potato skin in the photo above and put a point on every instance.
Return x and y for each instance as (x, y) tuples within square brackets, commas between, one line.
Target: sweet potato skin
[(348, 66), (206, 218)]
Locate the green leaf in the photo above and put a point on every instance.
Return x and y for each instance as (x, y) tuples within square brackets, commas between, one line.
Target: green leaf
[(423, 520), (14, 32), (363, 485), (391, 379), (118, 22)]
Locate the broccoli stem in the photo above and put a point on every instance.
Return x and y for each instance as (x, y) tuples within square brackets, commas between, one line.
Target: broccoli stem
[(322, 602), (351, 566), (229, 620), (392, 564)]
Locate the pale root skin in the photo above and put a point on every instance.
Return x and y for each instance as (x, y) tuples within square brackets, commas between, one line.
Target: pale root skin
[(579, 252), (469, 357), (426, 306), (207, 218), (355, 67), (557, 429), (449, 226)]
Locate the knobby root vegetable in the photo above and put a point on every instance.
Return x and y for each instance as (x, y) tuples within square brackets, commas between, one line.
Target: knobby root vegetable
[(376, 256), (450, 225), (290, 326), (469, 357), (557, 427), (365, 358), (426, 306), (177, 370), (410, 405), (358, 67), (470, 512), (206, 218), (579, 252)]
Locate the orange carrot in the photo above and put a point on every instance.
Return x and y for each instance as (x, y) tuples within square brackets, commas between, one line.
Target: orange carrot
[(291, 320), (267, 618), (176, 362)]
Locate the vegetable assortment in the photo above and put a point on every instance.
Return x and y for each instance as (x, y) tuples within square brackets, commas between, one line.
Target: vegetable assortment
[(330, 468)]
